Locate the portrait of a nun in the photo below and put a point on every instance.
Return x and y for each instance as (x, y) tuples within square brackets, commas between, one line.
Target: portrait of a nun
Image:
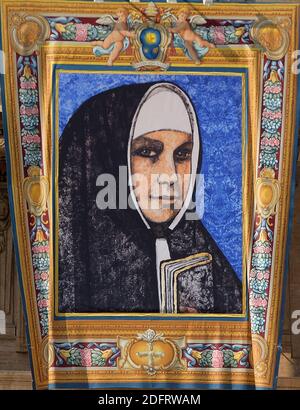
[(112, 259)]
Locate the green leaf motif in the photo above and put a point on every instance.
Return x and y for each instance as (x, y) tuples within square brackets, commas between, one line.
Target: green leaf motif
[(206, 359), (74, 358), (97, 358)]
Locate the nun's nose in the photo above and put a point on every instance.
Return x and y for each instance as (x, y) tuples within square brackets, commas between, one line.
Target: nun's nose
[(167, 171), (169, 179)]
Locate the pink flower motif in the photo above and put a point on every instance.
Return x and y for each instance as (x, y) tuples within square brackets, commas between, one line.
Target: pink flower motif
[(276, 90), (86, 357), (270, 89), (29, 110), (40, 249), (33, 111), (259, 302), (31, 138), (270, 142), (43, 303), (266, 141), (81, 32), (252, 274), (217, 359), (44, 275), (262, 249), (219, 35), (267, 276), (37, 276), (271, 115), (264, 303), (265, 114), (26, 85), (260, 276)]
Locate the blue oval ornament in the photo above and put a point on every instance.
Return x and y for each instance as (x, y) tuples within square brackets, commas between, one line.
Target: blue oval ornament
[(150, 39)]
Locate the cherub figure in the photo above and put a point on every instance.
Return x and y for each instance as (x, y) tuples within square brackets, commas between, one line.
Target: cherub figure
[(183, 28), (117, 36)]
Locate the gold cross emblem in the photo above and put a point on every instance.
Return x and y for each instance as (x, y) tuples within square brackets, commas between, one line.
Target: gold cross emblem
[(151, 354)]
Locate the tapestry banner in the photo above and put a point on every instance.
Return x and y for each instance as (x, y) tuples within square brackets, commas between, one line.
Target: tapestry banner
[(150, 154)]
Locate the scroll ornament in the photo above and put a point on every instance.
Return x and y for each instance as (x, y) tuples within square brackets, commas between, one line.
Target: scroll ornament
[(27, 32), (272, 36), (151, 352), (267, 193)]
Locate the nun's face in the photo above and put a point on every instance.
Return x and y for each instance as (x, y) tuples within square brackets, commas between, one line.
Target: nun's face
[(161, 167)]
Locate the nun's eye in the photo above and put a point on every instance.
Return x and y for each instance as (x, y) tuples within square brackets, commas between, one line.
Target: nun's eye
[(145, 152), (182, 154)]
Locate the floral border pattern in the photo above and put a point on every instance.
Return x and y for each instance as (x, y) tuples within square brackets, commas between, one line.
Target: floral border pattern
[(264, 227), (27, 72), (217, 355), (85, 354)]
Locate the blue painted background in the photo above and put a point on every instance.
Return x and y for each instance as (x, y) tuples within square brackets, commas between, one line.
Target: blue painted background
[(218, 103)]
